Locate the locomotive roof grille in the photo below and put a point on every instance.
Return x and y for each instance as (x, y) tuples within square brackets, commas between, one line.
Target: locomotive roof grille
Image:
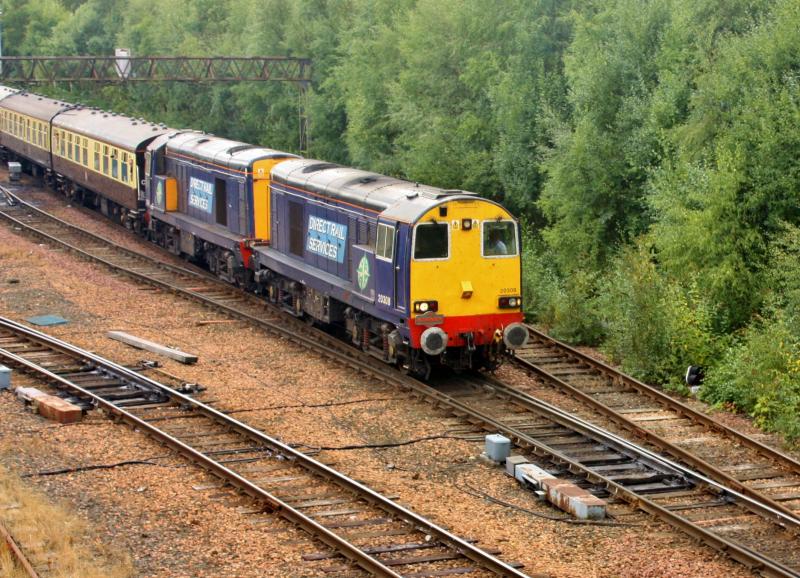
[(238, 148), (319, 167)]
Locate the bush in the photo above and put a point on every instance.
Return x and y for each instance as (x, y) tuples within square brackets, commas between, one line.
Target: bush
[(760, 376), (655, 327), (566, 307)]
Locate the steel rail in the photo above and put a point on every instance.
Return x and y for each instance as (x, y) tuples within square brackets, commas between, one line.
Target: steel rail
[(778, 510), (763, 508), (483, 559), (364, 363), (742, 554), (17, 552), (13, 200), (340, 349), (665, 400)]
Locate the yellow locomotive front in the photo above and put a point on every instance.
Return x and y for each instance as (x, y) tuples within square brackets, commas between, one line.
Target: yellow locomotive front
[(465, 283)]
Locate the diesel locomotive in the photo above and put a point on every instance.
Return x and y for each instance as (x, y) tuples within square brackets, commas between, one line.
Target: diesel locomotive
[(416, 275)]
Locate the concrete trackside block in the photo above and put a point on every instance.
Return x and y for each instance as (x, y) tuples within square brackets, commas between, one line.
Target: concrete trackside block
[(28, 394), (5, 377), (562, 493), (56, 409), (497, 447), (140, 343), (512, 462), (574, 499)]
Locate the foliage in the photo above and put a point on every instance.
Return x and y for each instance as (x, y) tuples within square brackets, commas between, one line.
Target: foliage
[(761, 376), (567, 307), (654, 326)]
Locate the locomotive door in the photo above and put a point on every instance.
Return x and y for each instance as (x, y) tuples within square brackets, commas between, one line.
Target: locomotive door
[(385, 265), (401, 259)]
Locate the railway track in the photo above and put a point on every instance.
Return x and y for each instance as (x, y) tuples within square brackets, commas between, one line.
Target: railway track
[(17, 553), (372, 531), (609, 465), (696, 439), (746, 528)]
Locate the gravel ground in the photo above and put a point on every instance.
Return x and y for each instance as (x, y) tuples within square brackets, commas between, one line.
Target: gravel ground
[(172, 530)]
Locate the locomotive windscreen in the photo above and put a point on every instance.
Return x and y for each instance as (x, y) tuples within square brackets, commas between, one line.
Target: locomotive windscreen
[(431, 241)]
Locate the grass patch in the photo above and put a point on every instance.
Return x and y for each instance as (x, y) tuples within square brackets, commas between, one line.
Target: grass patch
[(56, 542)]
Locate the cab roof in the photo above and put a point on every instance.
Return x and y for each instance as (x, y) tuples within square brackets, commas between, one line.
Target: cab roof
[(230, 154), (394, 199)]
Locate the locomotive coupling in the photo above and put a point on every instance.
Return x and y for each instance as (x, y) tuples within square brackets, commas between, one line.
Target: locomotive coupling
[(433, 341), (515, 336)]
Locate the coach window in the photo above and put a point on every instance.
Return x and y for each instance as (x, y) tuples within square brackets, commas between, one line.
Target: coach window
[(28, 128), (85, 148), (431, 241), (63, 139), (97, 156), (499, 239), (105, 160), (385, 247), (114, 164), (77, 149), (124, 167)]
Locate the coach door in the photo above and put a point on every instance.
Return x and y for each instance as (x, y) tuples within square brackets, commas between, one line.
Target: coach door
[(384, 264)]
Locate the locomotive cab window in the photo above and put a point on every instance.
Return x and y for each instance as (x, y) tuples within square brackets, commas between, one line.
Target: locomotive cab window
[(431, 241), (499, 239), (385, 242)]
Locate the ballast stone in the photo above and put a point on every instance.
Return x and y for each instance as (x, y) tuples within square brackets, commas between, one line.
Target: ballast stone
[(561, 493)]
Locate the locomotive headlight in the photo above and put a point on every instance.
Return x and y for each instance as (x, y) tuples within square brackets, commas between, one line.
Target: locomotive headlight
[(509, 302), (425, 306)]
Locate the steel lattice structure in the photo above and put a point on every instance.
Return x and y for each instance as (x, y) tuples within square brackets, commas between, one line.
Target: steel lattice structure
[(44, 69), (31, 70)]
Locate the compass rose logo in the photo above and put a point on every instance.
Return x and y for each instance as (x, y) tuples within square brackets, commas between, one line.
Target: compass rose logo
[(363, 272)]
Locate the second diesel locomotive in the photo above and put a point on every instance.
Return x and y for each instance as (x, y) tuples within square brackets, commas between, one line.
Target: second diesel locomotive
[(416, 275)]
